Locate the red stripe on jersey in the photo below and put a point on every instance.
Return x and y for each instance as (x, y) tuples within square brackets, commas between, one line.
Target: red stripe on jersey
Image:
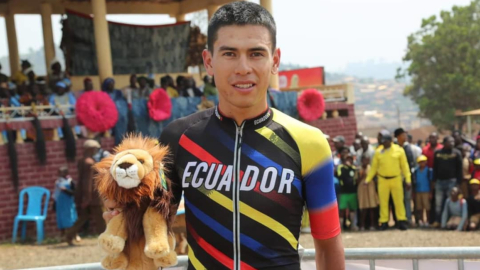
[(325, 222), (215, 253)]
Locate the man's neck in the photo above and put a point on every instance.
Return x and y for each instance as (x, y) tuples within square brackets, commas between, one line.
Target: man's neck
[(401, 143), (433, 146), (242, 114)]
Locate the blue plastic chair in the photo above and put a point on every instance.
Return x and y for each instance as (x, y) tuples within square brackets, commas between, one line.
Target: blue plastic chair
[(34, 211)]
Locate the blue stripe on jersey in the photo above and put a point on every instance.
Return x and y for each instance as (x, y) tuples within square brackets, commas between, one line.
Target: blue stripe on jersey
[(320, 179), (228, 235), (253, 154)]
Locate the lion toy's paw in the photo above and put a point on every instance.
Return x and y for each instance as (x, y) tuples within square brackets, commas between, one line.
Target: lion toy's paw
[(111, 244), (115, 262), (167, 261), (157, 250)]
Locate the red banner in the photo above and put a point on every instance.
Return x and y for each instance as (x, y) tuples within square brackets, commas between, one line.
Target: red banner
[(301, 78)]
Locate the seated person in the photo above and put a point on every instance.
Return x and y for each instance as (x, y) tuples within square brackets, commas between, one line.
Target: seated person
[(474, 204), (455, 213)]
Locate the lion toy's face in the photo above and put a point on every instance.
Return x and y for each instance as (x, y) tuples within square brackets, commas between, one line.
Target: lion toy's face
[(133, 171), (130, 167)]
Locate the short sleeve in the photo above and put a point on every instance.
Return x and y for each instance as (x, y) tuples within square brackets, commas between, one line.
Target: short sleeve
[(320, 197)]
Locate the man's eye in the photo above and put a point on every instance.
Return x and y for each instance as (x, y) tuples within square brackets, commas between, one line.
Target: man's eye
[(257, 54), (229, 54)]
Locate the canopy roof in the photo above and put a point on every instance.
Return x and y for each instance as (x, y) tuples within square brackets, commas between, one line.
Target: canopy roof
[(171, 7), (474, 112)]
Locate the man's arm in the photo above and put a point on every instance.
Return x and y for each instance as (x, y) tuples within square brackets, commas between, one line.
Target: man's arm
[(405, 167), (373, 168), (459, 165), (329, 253), (435, 167), (464, 215)]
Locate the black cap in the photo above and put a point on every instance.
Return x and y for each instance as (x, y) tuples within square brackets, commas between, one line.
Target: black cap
[(398, 132)]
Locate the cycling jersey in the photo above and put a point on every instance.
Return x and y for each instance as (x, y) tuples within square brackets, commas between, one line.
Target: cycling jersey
[(245, 188)]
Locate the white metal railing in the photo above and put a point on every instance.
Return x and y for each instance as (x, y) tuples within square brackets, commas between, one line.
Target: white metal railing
[(18, 114), (371, 254)]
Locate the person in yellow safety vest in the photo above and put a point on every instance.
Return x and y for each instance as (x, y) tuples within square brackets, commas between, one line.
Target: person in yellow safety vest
[(389, 164)]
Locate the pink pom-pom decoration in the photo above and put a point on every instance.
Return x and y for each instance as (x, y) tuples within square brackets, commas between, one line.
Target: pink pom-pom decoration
[(311, 105), (159, 105), (97, 111)]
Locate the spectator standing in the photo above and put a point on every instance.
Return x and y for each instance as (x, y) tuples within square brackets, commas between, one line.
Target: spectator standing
[(339, 144), (87, 197), (467, 168), (365, 150), (430, 148), (423, 176), (129, 90), (455, 213), (402, 140), (144, 90), (416, 150), (389, 165), (63, 197), (447, 173), (473, 202), (367, 195), (347, 176)]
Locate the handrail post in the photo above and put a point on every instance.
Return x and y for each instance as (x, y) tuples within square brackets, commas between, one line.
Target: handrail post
[(372, 264), (460, 264), (415, 264)]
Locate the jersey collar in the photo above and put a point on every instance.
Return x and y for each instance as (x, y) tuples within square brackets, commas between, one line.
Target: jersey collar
[(257, 122)]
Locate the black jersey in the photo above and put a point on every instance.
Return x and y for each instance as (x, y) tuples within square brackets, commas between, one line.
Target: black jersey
[(245, 188)]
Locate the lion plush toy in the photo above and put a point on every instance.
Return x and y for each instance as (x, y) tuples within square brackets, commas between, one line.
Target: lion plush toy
[(140, 237)]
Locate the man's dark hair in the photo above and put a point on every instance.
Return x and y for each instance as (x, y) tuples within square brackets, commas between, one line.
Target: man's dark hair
[(163, 81), (241, 13)]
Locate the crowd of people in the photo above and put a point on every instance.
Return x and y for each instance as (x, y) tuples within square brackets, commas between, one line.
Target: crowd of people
[(429, 184), (25, 88)]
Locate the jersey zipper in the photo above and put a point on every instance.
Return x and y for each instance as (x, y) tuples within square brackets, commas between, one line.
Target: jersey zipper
[(236, 195)]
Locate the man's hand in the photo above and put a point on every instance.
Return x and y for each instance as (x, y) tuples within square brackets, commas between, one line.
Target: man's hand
[(112, 210), (408, 186)]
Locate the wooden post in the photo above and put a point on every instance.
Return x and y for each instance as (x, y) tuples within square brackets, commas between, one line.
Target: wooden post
[(49, 47), (102, 39)]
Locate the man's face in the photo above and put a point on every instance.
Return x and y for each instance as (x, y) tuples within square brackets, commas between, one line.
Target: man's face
[(422, 164), (365, 144), (449, 143), (387, 143), (88, 85), (338, 145), (133, 80), (379, 138), (474, 189), (433, 139), (242, 63), (60, 90), (402, 137), (142, 82)]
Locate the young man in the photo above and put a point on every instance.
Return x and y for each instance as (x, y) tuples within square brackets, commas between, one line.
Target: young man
[(455, 214), (390, 165), (447, 173), (242, 166), (430, 148), (347, 176), (402, 141), (423, 194)]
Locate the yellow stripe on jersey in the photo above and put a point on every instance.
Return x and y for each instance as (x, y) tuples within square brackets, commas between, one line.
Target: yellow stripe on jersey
[(195, 262), (254, 214), (277, 141), (309, 140)]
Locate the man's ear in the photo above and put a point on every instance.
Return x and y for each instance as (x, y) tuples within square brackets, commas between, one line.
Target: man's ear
[(207, 61), (276, 60)]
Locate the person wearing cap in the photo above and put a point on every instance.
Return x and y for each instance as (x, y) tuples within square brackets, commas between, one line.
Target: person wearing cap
[(476, 169), (390, 165), (402, 140), (447, 173), (423, 176), (339, 144), (87, 199), (347, 176), (473, 202)]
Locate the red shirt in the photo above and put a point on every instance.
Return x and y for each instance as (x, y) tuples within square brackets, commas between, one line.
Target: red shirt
[(429, 152)]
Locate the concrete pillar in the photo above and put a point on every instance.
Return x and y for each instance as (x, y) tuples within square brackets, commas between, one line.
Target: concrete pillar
[(274, 81), (211, 10), (180, 17), (102, 39), (12, 43), (49, 46)]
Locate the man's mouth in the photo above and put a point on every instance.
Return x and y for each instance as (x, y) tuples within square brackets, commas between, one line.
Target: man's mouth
[(244, 85)]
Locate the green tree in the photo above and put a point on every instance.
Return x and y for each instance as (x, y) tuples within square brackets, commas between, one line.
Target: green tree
[(444, 64)]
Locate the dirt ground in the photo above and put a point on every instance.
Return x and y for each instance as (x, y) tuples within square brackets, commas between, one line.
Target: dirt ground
[(31, 255)]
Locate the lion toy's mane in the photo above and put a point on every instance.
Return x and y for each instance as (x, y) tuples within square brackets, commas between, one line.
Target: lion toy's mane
[(150, 191)]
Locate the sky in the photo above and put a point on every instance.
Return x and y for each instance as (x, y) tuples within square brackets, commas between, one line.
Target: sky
[(328, 33)]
